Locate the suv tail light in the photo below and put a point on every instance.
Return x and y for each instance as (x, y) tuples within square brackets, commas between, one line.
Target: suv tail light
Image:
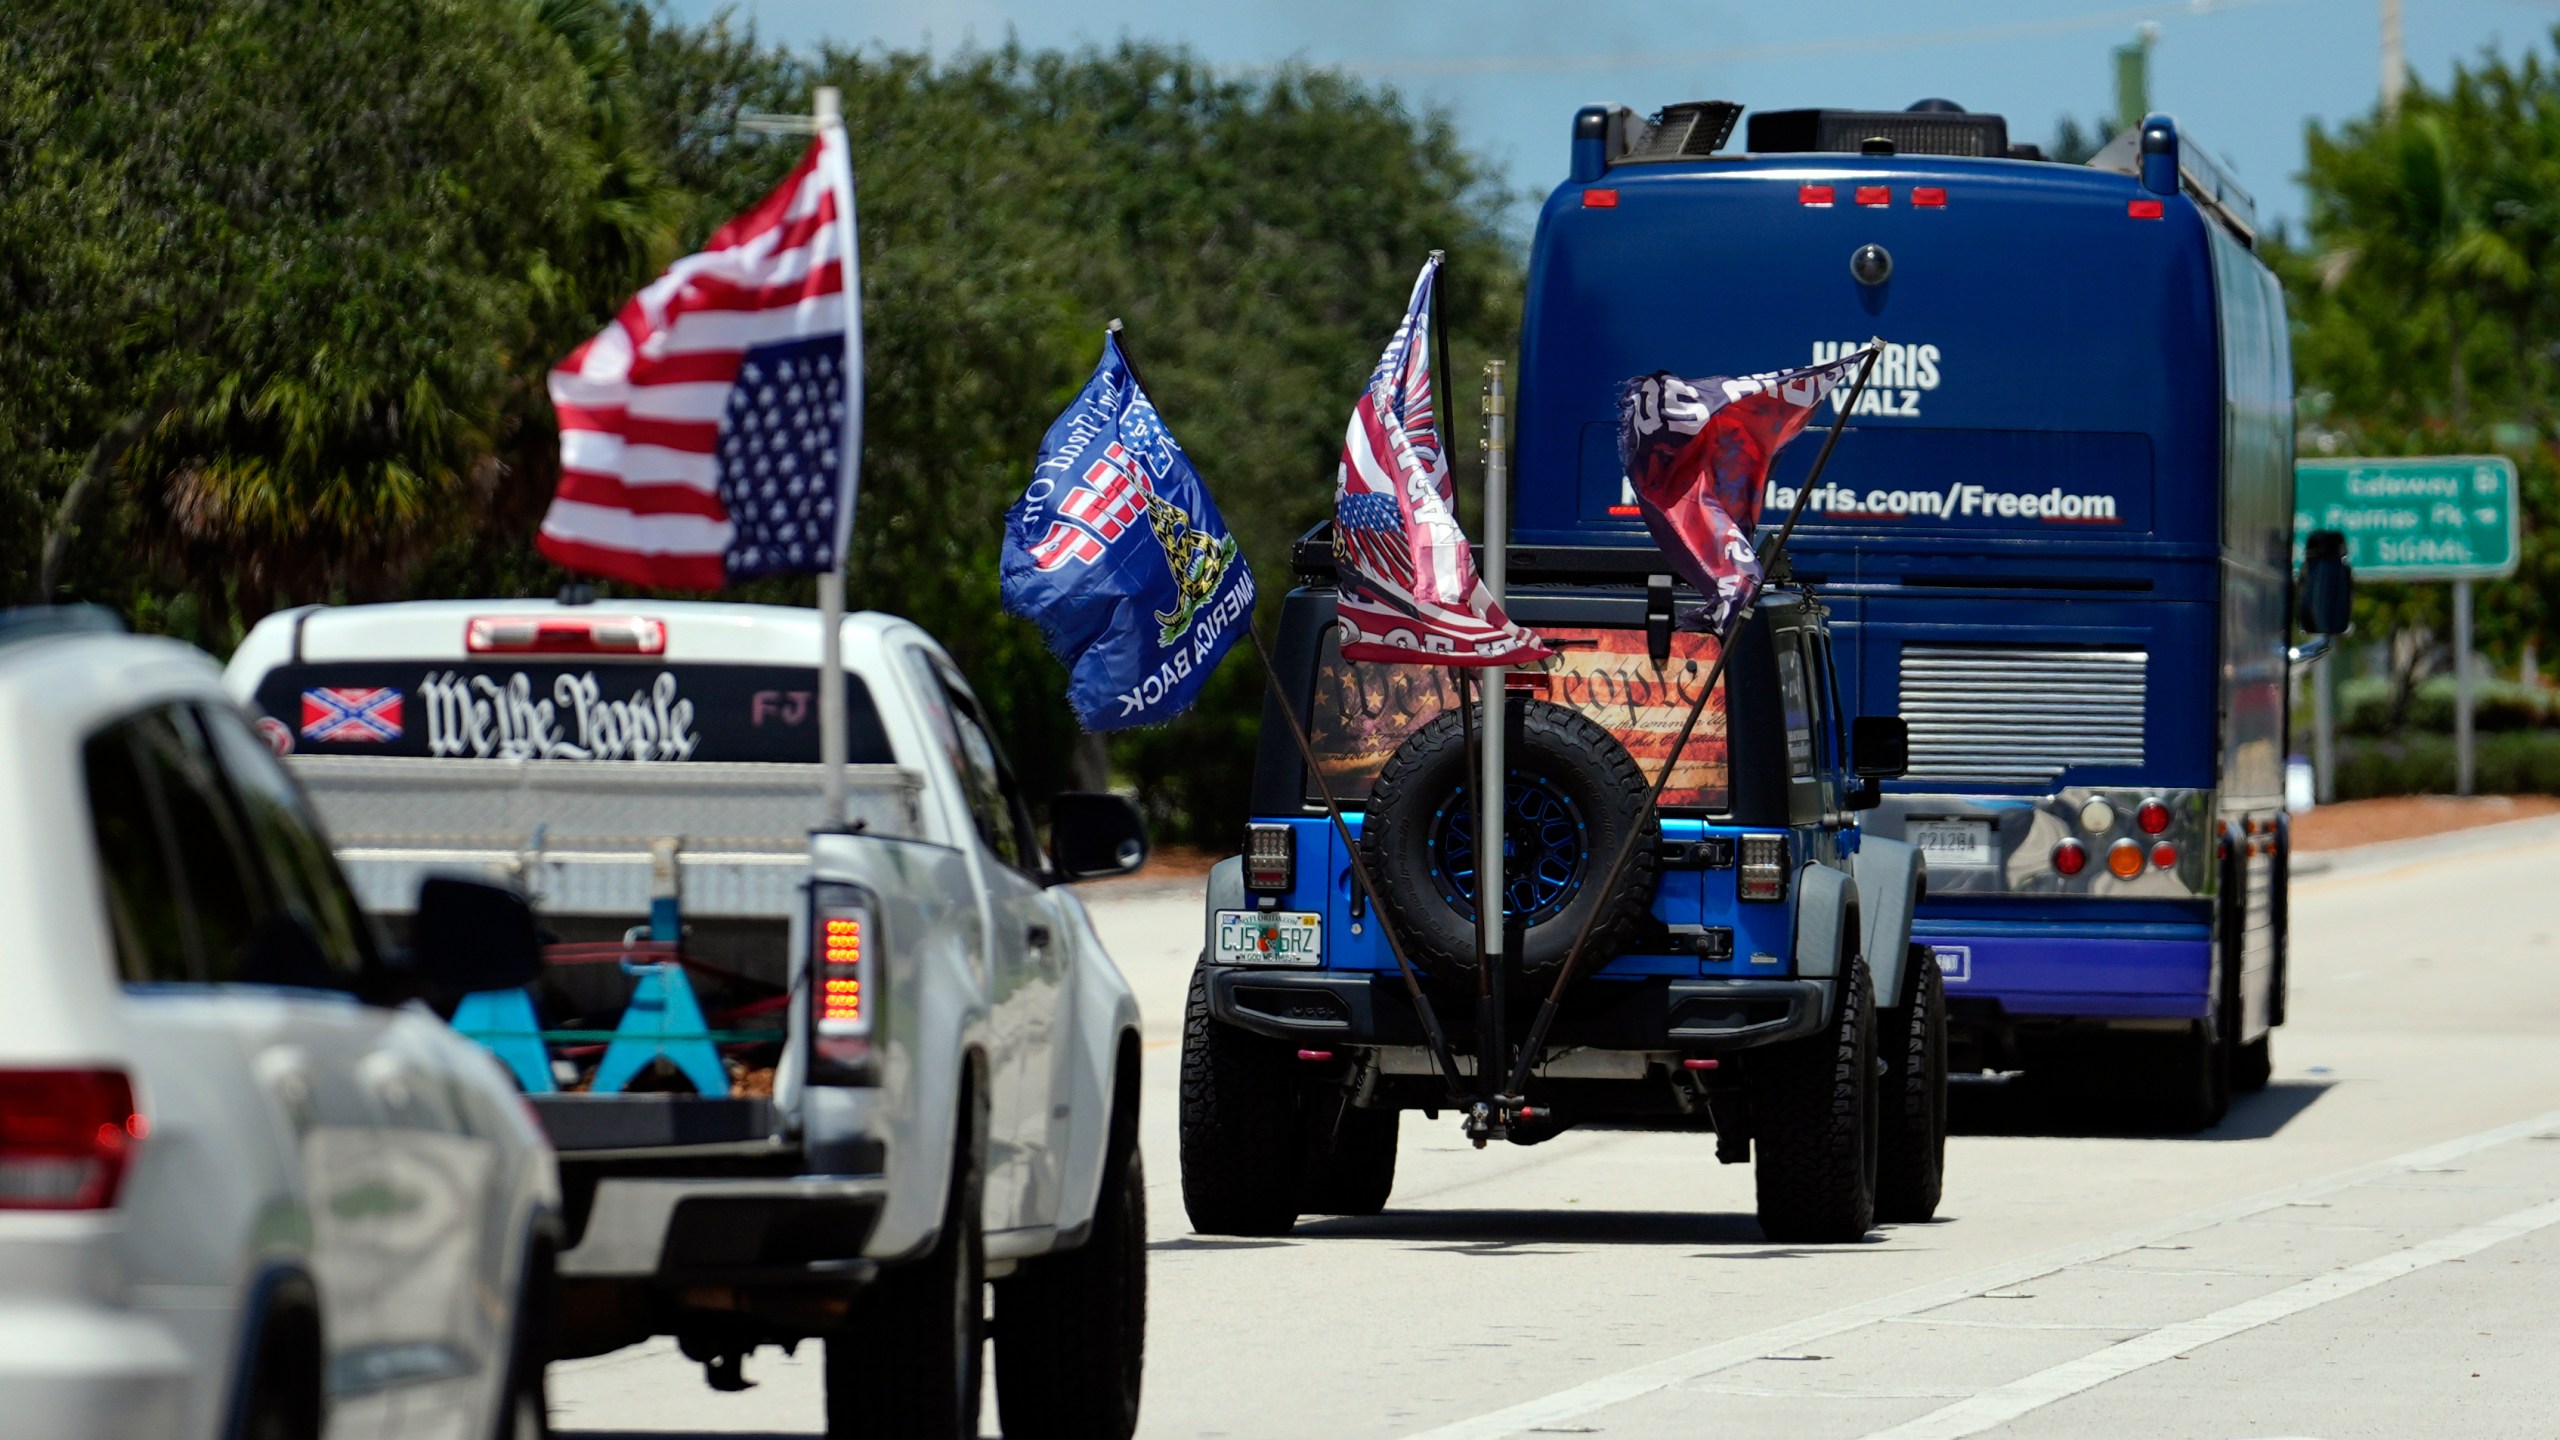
[(1764, 867), (1270, 857), (564, 635), (65, 1138), (844, 976)]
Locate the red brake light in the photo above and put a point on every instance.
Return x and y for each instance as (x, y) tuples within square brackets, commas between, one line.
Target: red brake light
[(1599, 199), (2070, 857), (2145, 209), (66, 1137), (2164, 855), (844, 973), (1813, 195), (564, 635), (1875, 194), (1270, 858), (1929, 197), (2152, 816)]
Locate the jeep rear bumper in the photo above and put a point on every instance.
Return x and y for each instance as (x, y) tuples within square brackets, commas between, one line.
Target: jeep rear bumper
[(1324, 1009)]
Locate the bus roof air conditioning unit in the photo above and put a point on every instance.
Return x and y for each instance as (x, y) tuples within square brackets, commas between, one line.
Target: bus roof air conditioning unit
[(1846, 132)]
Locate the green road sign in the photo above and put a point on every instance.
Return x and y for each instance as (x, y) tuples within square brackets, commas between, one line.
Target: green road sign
[(2436, 517)]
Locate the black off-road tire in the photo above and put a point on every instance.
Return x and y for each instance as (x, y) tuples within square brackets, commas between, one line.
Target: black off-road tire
[(1071, 1329), (1585, 764), (912, 1362), (1912, 1159), (1815, 1114), (1351, 1157), (1243, 1150)]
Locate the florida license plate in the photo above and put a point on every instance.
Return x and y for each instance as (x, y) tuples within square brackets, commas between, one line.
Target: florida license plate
[(1270, 937), (1952, 842)]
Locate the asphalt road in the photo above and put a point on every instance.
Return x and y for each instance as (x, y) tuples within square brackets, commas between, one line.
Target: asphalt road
[(2366, 1248)]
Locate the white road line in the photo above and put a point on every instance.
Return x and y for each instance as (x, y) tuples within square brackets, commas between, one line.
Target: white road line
[(1595, 1395), (2033, 1392)]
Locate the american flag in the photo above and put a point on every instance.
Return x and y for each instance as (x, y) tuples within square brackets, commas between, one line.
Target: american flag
[(1409, 589), (712, 432)]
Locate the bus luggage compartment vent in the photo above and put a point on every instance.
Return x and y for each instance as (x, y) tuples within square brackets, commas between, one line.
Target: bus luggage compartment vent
[(2020, 715)]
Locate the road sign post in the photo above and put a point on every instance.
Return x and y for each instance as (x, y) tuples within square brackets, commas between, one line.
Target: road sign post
[(2426, 518)]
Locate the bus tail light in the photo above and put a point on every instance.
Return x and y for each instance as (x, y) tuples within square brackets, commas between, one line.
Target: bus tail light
[(1764, 867), (2070, 857), (2164, 856), (2145, 209), (1875, 194), (1819, 196), (1270, 858), (2124, 859), (66, 1137), (2152, 816), (1929, 197)]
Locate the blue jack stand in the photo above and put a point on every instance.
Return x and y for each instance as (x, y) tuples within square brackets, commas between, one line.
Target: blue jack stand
[(663, 1018), (504, 1022)]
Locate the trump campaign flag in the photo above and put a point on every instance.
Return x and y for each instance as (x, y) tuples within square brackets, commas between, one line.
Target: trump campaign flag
[(1408, 586), (1117, 554), (712, 433), (1698, 452)]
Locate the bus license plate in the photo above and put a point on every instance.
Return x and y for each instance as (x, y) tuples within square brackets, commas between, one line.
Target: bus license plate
[(1270, 937), (1953, 842)]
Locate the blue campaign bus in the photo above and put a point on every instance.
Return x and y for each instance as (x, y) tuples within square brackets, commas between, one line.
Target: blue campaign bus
[(2056, 537)]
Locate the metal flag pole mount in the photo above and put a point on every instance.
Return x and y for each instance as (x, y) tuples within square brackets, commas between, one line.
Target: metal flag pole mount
[(1493, 911), (828, 119), (1776, 548)]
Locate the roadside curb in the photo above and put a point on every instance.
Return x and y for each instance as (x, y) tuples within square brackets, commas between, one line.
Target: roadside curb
[(2383, 855)]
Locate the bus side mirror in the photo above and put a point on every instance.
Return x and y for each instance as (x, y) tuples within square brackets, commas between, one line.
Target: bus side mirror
[(2324, 595), (1880, 746)]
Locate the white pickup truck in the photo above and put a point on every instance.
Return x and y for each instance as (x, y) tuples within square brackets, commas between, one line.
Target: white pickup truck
[(803, 1083)]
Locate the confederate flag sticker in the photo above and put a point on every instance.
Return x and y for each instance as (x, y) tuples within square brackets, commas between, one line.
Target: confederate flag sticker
[(351, 714)]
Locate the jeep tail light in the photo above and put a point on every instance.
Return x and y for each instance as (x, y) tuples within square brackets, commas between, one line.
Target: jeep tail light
[(564, 635), (66, 1137), (844, 971), (2152, 816), (1270, 857), (1764, 867), (2070, 857), (2124, 859)]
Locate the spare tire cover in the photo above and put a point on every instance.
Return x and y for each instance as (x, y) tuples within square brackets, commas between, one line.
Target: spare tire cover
[(1574, 795)]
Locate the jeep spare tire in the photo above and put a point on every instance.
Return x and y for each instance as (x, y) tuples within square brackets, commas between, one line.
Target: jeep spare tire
[(1574, 796)]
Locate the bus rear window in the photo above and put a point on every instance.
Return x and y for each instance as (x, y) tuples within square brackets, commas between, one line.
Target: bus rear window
[(569, 710), (1362, 712)]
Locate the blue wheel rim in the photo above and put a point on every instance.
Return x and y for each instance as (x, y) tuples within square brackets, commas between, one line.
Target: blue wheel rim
[(1546, 850)]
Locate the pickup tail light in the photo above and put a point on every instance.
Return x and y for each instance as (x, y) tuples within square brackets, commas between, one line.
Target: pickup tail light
[(844, 974), (1270, 858), (564, 635), (1764, 867), (66, 1138)]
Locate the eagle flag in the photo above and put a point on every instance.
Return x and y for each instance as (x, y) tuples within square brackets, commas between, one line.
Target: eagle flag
[(1116, 552), (713, 432), (1697, 453), (1409, 591)]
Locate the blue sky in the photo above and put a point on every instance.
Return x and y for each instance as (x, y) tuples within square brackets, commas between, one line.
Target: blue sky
[(2241, 75)]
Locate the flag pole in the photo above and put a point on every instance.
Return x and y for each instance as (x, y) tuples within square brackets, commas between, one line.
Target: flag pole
[(828, 112), (1493, 915), (1422, 1009), (1724, 650)]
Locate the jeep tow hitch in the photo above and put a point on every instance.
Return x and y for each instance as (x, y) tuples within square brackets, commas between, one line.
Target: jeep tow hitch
[(1493, 1119)]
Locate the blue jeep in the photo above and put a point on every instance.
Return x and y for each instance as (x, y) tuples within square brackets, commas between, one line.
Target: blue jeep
[(1749, 973)]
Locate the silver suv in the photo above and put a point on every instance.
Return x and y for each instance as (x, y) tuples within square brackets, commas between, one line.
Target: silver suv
[(248, 1186)]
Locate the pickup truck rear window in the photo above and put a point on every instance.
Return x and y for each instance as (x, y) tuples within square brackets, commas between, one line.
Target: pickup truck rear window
[(561, 710), (1362, 712)]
